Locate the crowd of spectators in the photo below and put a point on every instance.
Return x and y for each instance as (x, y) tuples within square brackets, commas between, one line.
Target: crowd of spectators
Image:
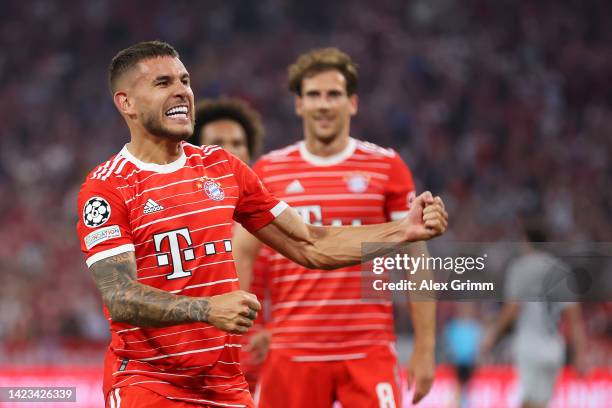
[(500, 107)]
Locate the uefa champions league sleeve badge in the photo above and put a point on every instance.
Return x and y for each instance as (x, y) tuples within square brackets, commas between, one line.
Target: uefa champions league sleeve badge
[(96, 212), (211, 187)]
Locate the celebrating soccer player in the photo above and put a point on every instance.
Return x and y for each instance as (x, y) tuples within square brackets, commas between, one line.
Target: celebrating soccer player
[(156, 226), (326, 342)]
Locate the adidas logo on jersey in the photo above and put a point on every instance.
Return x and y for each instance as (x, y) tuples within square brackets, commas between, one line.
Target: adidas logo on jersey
[(151, 207), (294, 187)]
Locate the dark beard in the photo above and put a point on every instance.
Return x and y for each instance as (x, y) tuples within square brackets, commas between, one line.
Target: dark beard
[(154, 126)]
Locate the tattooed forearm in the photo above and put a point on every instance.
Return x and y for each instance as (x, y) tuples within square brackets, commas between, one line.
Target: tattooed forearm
[(134, 303)]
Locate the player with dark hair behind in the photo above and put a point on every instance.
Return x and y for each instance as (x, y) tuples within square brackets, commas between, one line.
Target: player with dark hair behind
[(230, 123)]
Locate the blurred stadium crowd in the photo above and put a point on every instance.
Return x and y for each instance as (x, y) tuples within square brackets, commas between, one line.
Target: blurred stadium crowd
[(500, 107)]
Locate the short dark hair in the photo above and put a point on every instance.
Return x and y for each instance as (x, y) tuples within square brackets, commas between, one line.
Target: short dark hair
[(320, 60), (128, 58), (534, 229), (224, 108)]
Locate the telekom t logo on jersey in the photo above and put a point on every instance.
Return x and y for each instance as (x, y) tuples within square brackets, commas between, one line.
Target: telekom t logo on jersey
[(177, 254)]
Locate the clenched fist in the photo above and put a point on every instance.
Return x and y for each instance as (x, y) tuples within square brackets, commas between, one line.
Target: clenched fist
[(233, 312), (426, 219)]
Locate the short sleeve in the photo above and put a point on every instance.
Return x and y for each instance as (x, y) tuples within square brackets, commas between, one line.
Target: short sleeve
[(103, 228), (560, 284), (256, 207), (514, 286), (539, 277), (400, 189)]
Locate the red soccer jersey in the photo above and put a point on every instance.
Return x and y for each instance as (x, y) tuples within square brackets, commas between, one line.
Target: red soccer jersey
[(321, 315), (178, 219), (258, 287)]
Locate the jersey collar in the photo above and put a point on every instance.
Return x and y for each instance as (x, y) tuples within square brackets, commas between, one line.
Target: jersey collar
[(158, 168), (328, 160)]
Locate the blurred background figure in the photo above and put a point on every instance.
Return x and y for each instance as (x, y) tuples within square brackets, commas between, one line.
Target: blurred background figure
[(462, 336), (536, 285)]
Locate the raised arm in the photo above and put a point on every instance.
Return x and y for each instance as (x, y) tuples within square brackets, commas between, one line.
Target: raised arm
[(503, 323), (336, 247), (129, 301)]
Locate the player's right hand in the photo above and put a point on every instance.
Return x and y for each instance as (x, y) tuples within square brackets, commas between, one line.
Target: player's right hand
[(233, 312), (426, 219)]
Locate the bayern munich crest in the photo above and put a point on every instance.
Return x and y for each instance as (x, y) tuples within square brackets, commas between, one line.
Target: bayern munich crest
[(213, 190), (357, 183)]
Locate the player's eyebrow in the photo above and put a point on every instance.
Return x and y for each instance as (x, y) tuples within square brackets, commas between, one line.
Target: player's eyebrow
[(167, 78), (162, 78)]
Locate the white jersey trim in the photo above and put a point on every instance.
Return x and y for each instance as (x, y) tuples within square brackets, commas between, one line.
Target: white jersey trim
[(324, 329), (322, 173), (279, 208), (189, 352), (173, 345), (328, 345), (398, 215), (218, 207), (336, 316), (315, 275), (166, 335), (114, 398), (159, 168), (329, 160), (205, 284), (108, 253), (321, 197), (328, 302)]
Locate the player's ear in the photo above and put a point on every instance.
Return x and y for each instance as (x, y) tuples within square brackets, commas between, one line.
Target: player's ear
[(354, 100), (298, 105), (122, 102)]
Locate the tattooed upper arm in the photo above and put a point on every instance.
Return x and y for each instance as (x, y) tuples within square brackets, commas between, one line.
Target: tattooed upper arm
[(113, 274), (129, 301)]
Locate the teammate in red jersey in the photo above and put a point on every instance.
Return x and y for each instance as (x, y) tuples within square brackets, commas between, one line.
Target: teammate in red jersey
[(235, 126), (326, 342), (155, 226)]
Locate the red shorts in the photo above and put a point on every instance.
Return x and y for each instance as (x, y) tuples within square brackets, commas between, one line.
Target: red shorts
[(138, 397), (373, 381)]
